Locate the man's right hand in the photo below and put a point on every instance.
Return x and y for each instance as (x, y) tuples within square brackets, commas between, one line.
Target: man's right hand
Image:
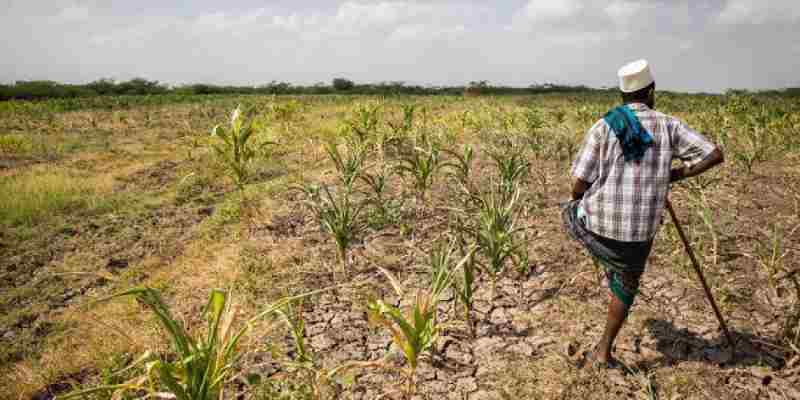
[(716, 157)]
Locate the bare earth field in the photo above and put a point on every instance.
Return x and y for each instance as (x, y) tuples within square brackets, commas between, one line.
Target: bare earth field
[(96, 201)]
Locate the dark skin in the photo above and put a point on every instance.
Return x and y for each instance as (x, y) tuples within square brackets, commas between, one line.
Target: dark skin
[(617, 310)]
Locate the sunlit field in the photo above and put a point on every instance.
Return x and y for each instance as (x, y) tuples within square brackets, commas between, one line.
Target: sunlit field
[(378, 247)]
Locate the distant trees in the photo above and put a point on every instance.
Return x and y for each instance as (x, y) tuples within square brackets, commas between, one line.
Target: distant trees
[(103, 86), (477, 87), (33, 90), (342, 84), (140, 86)]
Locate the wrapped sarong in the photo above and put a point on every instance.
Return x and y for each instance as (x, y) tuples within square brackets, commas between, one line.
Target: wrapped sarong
[(623, 262)]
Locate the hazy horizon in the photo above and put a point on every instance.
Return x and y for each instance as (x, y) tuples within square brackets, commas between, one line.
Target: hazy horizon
[(711, 47)]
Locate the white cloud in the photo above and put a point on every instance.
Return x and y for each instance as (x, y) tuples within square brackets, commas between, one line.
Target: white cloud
[(400, 18), (759, 11), (364, 14), (426, 32), (74, 13), (351, 20), (423, 41), (542, 10), (135, 35), (623, 10)]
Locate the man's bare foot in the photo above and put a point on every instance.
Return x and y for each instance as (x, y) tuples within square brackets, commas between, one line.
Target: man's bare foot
[(596, 361)]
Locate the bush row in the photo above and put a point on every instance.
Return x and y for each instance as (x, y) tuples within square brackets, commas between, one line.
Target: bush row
[(33, 90)]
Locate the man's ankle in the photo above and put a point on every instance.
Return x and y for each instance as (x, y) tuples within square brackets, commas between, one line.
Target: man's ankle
[(601, 353)]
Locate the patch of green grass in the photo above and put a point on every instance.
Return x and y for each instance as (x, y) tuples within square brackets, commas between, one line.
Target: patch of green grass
[(32, 146), (29, 198), (15, 144)]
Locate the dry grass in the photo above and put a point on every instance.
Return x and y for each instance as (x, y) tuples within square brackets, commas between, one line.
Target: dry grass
[(26, 199), (183, 236)]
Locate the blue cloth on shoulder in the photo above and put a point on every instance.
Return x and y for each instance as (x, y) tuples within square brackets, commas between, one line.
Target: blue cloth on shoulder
[(632, 136)]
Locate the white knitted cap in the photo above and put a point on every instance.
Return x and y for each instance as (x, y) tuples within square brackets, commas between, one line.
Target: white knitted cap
[(635, 76)]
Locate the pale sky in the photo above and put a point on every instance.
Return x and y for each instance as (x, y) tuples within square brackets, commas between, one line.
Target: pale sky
[(691, 45)]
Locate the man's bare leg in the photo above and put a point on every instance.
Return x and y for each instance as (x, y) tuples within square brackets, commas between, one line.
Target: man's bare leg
[(617, 312)]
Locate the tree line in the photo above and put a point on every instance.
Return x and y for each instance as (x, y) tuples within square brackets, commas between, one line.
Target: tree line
[(35, 90)]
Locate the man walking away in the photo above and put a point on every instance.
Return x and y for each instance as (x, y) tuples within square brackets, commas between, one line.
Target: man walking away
[(622, 176)]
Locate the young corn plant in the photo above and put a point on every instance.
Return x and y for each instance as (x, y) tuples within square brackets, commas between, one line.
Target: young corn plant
[(406, 125), (348, 163), (469, 120), (559, 116), (563, 146), (705, 212), (421, 164), (364, 121), (465, 290), (416, 330), (461, 167), (753, 147), (338, 214), (444, 273), (534, 121), (290, 314), (286, 113), (202, 367), (303, 362), (389, 141), (511, 167), (316, 381), (771, 258), (444, 267), (384, 210), (236, 146), (495, 233)]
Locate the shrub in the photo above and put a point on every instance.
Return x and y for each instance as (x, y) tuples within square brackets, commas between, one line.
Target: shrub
[(342, 84)]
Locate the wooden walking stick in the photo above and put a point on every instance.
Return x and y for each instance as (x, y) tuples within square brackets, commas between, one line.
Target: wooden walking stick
[(697, 269)]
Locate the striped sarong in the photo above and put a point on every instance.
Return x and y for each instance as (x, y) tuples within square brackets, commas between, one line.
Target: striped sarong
[(623, 262)]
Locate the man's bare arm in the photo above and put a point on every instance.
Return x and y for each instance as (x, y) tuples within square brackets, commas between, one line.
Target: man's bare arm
[(712, 160), (579, 188)]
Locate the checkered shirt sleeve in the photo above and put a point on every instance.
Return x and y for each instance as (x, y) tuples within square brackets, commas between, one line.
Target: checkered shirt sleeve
[(585, 166), (690, 146)]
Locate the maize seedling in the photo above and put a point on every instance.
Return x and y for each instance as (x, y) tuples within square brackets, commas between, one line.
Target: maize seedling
[(421, 164), (348, 163), (202, 367), (461, 167), (416, 330), (511, 168), (236, 147), (338, 214), (495, 232)]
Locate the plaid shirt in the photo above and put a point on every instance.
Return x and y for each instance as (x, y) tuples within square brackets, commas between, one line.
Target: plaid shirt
[(626, 200)]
